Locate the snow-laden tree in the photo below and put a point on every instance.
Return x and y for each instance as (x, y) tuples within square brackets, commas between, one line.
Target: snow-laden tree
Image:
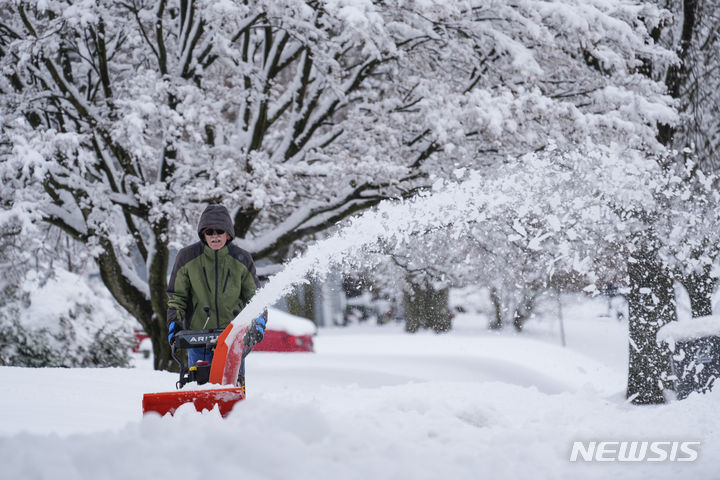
[(53, 322), (121, 120), (696, 140), (676, 240), (49, 309)]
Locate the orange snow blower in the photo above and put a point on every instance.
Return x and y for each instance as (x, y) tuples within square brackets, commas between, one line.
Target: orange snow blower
[(226, 374)]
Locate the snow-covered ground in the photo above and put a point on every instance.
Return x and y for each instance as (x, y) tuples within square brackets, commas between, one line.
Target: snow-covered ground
[(371, 403)]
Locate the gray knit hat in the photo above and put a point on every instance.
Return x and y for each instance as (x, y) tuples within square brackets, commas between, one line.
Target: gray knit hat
[(216, 216)]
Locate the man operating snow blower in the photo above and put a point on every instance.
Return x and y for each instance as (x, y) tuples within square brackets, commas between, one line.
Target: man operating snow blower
[(211, 282)]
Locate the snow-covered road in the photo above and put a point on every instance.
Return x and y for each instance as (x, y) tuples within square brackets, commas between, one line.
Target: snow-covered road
[(371, 403)]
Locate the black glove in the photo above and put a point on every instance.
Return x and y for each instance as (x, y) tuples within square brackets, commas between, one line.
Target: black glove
[(256, 332)]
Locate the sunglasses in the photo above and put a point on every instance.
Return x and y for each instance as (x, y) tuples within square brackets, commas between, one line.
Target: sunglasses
[(212, 231)]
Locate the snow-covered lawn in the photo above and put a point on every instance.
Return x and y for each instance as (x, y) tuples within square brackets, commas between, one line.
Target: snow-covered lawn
[(372, 403)]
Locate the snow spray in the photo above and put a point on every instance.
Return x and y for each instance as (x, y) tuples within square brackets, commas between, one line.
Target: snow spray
[(393, 222)]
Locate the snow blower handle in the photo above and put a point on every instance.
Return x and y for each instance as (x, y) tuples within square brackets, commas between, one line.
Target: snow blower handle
[(207, 314), (185, 339)]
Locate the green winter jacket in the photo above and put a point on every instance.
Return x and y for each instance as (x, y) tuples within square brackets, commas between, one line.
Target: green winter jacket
[(223, 281)]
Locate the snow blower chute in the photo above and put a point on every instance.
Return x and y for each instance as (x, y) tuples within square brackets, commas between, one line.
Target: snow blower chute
[(225, 375)]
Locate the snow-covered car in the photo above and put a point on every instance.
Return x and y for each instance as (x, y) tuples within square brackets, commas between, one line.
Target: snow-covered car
[(287, 333)]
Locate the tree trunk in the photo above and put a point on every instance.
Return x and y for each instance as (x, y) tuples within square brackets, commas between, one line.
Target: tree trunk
[(157, 282), (523, 310), (497, 322), (149, 312), (650, 306), (302, 301), (426, 307), (700, 287)]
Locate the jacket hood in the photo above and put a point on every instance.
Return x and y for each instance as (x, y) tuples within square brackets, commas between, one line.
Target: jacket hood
[(216, 216)]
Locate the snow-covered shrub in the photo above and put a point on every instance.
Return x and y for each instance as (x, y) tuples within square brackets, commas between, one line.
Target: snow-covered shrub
[(62, 321)]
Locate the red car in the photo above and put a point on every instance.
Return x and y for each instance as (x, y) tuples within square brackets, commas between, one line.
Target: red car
[(287, 333)]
